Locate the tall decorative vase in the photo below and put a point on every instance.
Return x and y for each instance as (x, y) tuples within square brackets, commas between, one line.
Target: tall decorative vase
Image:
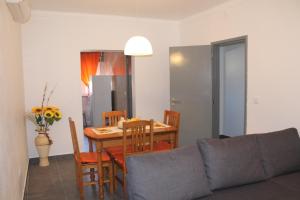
[(42, 144)]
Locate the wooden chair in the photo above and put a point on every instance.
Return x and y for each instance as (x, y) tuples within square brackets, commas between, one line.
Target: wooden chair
[(88, 161), (111, 118), (171, 118), (137, 139)]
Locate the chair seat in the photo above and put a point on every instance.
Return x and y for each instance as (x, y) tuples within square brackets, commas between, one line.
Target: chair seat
[(119, 159), (118, 155), (91, 157), (119, 150), (162, 146), (114, 150)]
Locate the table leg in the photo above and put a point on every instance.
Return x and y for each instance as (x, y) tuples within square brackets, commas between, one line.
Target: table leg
[(100, 169), (90, 145), (173, 139), (176, 139)]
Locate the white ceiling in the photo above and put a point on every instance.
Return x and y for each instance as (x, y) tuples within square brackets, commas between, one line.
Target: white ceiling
[(161, 9)]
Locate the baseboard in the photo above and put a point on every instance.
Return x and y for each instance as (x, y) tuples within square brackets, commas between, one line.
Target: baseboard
[(224, 136), (61, 154), (36, 160), (25, 180)]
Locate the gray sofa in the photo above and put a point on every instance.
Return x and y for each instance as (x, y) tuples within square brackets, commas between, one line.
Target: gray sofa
[(253, 167)]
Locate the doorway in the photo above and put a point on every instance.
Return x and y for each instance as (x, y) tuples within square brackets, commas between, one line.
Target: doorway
[(106, 85), (229, 86)]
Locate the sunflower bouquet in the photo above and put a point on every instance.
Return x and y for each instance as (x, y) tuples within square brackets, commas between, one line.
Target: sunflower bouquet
[(44, 116)]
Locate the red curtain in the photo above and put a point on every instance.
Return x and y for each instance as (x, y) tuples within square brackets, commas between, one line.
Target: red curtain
[(89, 64), (113, 64), (119, 68)]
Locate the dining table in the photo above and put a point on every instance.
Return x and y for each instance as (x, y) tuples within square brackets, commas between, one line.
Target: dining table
[(112, 136)]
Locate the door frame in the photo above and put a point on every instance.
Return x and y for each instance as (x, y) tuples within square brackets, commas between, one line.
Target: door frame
[(128, 63), (216, 80)]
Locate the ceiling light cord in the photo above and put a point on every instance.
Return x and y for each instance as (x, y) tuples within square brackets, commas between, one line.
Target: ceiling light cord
[(138, 45)]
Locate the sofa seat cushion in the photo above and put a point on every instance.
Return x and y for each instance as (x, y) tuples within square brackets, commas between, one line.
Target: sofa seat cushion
[(291, 181), (170, 175), (232, 162), (280, 151), (265, 190)]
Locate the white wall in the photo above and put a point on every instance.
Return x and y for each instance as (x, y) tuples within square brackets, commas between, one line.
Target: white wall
[(51, 53), (273, 29), (13, 148)]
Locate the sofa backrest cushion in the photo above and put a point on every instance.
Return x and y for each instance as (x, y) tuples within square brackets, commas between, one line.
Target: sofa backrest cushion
[(171, 175), (232, 162), (280, 151)]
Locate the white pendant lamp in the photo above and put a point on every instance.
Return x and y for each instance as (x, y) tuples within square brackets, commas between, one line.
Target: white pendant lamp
[(138, 46)]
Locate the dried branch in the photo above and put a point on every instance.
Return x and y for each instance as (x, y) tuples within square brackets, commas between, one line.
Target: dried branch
[(50, 94), (44, 95)]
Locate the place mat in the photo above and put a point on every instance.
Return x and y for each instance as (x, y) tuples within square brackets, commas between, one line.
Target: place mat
[(115, 129), (107, 130)]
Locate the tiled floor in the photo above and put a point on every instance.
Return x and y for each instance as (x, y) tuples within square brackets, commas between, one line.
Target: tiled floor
[(58, 182)]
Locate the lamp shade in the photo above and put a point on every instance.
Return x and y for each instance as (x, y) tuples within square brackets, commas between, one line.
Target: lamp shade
[(138, 46)]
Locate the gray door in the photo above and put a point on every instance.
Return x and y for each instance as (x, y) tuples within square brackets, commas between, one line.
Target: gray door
[(101, 99), (190, 91)]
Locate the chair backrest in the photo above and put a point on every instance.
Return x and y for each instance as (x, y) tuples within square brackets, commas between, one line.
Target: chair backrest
[(74, 139), (111, 118), (172, 118), (137, 137)]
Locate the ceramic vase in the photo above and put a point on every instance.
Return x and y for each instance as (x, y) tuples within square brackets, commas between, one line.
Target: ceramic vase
[(42, 144)]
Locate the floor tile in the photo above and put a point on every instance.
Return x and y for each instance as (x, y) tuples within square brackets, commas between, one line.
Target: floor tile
[(58, 182)]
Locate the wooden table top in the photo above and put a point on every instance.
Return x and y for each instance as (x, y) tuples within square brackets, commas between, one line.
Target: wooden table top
[(89, 132)]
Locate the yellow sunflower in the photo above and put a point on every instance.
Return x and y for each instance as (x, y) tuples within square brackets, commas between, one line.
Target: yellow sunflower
[(47, 108), (57, 114), (48, 114), (52, 108), (36, 110)]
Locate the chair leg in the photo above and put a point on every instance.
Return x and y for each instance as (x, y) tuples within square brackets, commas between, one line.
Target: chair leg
[(115, 181), (100, 186), (80, 183), (111, 179), (124, 185), (92, 175), (77, 175)]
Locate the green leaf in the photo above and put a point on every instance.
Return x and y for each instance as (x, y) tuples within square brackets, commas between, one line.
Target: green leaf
[(57, 119), (39, 119), (50, 121)]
